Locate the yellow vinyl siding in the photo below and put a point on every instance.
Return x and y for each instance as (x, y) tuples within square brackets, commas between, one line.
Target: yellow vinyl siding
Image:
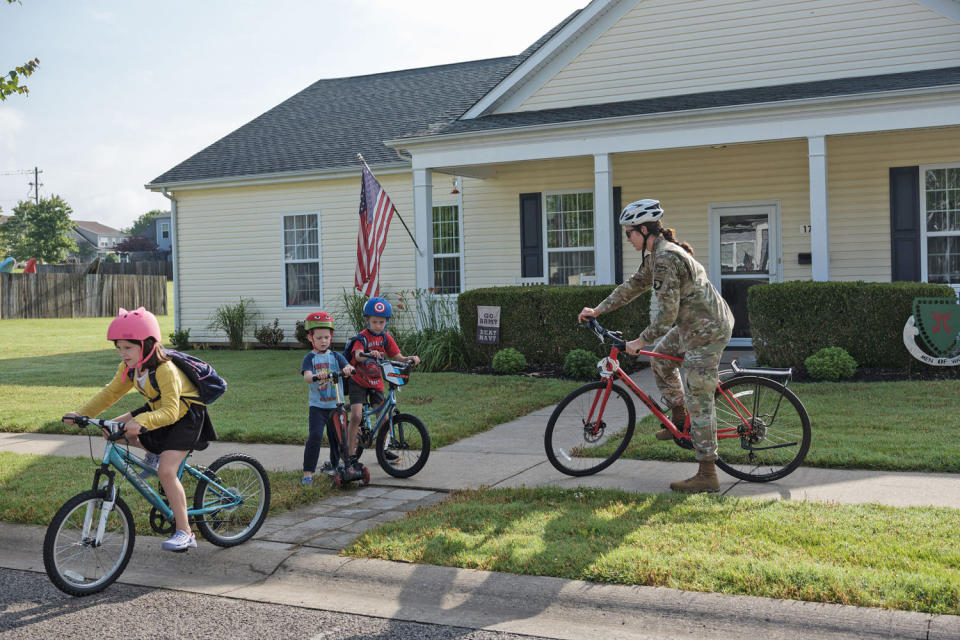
[(858, 185), (491, 220), (231, 246), (663, 48), (688, 181)]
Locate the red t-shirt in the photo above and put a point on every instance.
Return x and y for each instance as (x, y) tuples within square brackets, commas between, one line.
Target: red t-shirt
[(368, 373)]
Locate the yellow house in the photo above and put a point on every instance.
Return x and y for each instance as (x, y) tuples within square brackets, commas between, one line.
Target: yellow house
[(786, 140)]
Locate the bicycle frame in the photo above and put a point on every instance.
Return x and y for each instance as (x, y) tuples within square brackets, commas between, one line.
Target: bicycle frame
[(610, 370), (127, 463)]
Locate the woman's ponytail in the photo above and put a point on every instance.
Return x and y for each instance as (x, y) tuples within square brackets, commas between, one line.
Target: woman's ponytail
[(671, 236)]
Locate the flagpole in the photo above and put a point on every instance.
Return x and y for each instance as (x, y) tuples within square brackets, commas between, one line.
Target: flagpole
[(412, 239)]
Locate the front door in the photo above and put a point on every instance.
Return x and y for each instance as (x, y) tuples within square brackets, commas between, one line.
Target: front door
[(744, 251)]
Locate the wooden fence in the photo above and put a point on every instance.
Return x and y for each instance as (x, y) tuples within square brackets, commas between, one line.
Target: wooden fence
[(64, 295), (145, 268)]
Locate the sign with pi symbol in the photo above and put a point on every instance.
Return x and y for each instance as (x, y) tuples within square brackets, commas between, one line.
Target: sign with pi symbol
[(938, 322)]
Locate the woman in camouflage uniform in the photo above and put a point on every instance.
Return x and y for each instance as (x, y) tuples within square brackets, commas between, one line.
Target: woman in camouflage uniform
[(688, 318)]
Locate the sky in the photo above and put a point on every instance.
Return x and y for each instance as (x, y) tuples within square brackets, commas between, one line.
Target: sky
[(127, 89)]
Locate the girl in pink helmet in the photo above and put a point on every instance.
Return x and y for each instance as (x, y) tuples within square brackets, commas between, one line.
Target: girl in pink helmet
[(171, 422)]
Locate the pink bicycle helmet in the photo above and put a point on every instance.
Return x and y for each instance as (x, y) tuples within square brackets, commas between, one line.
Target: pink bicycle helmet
[(136, 325)]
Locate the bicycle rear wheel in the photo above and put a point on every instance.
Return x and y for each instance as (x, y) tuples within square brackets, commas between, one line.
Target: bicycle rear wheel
[(763, 431), (243, 477), (403, 446), (589, 429), (75, 563)]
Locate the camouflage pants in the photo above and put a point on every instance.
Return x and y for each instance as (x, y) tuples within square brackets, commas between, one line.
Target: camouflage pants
[(700, 365)]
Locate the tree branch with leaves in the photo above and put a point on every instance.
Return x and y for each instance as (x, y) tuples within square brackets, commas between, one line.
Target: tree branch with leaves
[(10, 81)]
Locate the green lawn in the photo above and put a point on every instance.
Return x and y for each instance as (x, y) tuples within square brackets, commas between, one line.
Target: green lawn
[(49, 366), (864, 555), (899, 426), (33, 487)]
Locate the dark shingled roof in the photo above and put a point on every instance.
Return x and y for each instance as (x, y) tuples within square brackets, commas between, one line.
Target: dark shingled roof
[(328, 123), (669, 104)]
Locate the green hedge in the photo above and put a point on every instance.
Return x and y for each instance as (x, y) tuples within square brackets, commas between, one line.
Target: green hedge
[(541, 321), (790, 321)]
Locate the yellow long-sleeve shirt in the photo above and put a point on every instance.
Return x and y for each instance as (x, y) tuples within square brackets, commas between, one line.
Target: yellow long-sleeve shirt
[(164, 411)]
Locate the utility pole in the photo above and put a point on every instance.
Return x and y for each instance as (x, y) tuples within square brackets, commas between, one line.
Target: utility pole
[(36, 184)]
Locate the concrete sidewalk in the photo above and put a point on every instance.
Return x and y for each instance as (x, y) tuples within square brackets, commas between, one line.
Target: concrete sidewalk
[(295, 559)]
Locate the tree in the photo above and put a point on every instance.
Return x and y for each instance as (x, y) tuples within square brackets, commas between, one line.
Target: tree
[(10, 81), (135, 243), (39, 230), (143, 223)]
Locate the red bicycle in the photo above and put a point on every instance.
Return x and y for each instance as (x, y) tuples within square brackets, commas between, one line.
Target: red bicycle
[(763, 430)]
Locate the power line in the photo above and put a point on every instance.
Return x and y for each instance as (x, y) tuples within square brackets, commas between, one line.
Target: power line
[(34, 186)]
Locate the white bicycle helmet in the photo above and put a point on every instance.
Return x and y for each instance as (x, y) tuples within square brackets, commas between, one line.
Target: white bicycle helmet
[(640, 211)]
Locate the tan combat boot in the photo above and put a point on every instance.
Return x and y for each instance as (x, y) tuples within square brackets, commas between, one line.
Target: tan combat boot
[(679, 418), (704, 482)]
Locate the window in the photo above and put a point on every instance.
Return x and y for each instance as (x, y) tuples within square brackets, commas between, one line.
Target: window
[(446, 249), (940, 208), (164, 230), (301, 260), (569, 232)]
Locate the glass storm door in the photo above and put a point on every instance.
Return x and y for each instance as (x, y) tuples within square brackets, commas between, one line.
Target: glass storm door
[(744, 251)]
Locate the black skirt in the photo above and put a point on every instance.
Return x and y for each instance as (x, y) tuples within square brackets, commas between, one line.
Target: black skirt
[(191, 432)]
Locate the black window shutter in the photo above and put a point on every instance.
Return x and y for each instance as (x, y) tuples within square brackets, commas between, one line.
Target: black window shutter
[(905, 223), (531, 236), (617, 238)]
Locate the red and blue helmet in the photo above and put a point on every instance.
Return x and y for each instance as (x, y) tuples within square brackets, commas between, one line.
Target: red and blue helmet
[(378, 307)]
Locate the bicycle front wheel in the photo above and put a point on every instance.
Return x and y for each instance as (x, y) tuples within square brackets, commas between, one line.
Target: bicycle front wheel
[(403, 446), (75, 562), (589, 429), (763, 431), (244, 490)]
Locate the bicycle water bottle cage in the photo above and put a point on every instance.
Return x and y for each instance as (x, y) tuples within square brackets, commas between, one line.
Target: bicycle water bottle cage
[(607, 367)]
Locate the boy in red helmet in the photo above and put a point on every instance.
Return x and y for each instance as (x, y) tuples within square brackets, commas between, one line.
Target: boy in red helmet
[(321, 361), (171, 423)]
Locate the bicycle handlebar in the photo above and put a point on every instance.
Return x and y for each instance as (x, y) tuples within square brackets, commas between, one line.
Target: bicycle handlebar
[(381, 361), (115, 428), (616, 337)]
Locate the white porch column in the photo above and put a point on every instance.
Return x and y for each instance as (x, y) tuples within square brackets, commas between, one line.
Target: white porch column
[(819, 241), (422, 216), (603, 231)]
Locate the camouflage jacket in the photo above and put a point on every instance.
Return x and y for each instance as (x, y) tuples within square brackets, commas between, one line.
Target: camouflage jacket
[(682, 295)]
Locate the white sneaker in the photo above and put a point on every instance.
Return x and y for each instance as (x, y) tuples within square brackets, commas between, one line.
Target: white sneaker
[(180, 541), (152, 460)]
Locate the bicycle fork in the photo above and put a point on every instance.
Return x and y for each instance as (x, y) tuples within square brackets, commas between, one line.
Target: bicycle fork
[(106, 506)]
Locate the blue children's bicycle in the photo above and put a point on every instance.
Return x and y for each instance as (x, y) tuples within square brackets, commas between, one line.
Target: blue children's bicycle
[(402, 441), (90, 539)]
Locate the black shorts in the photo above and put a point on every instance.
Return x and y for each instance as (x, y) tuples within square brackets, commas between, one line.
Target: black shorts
[(361, 395), (191, 432)]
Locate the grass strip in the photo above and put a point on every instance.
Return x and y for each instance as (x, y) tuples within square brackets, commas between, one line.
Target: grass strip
[(33, 487), (863, 555)]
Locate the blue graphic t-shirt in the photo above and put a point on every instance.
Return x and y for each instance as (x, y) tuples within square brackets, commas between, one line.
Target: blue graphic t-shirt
[(323, 396)]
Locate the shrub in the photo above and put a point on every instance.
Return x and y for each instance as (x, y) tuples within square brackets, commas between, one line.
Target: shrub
[(235, 321), (270, 335), (442, 350), (541, 321), (300, 331), (790, 321), (180, 339), (509, 361), (580, 364), (831, 363), (351, 311)]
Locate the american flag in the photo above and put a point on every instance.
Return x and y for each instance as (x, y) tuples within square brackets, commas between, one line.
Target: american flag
[(376, 211)]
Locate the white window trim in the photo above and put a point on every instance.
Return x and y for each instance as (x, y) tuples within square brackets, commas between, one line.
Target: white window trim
[(922, 191), (164, 229), (284, 262), (458, 203), (543, 223)]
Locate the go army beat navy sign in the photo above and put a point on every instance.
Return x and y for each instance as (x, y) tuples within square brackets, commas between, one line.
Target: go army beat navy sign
[(937, 322)]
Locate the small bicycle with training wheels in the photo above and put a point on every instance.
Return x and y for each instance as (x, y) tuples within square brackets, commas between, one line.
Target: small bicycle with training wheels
[(763, 431), (90, 539)]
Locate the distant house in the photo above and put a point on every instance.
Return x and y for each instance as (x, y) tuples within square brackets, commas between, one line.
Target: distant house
[(787, 141), (159, 232), (100, 236)]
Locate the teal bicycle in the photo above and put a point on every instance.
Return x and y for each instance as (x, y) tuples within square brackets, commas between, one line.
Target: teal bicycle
[(402, 441), (90, 539)]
